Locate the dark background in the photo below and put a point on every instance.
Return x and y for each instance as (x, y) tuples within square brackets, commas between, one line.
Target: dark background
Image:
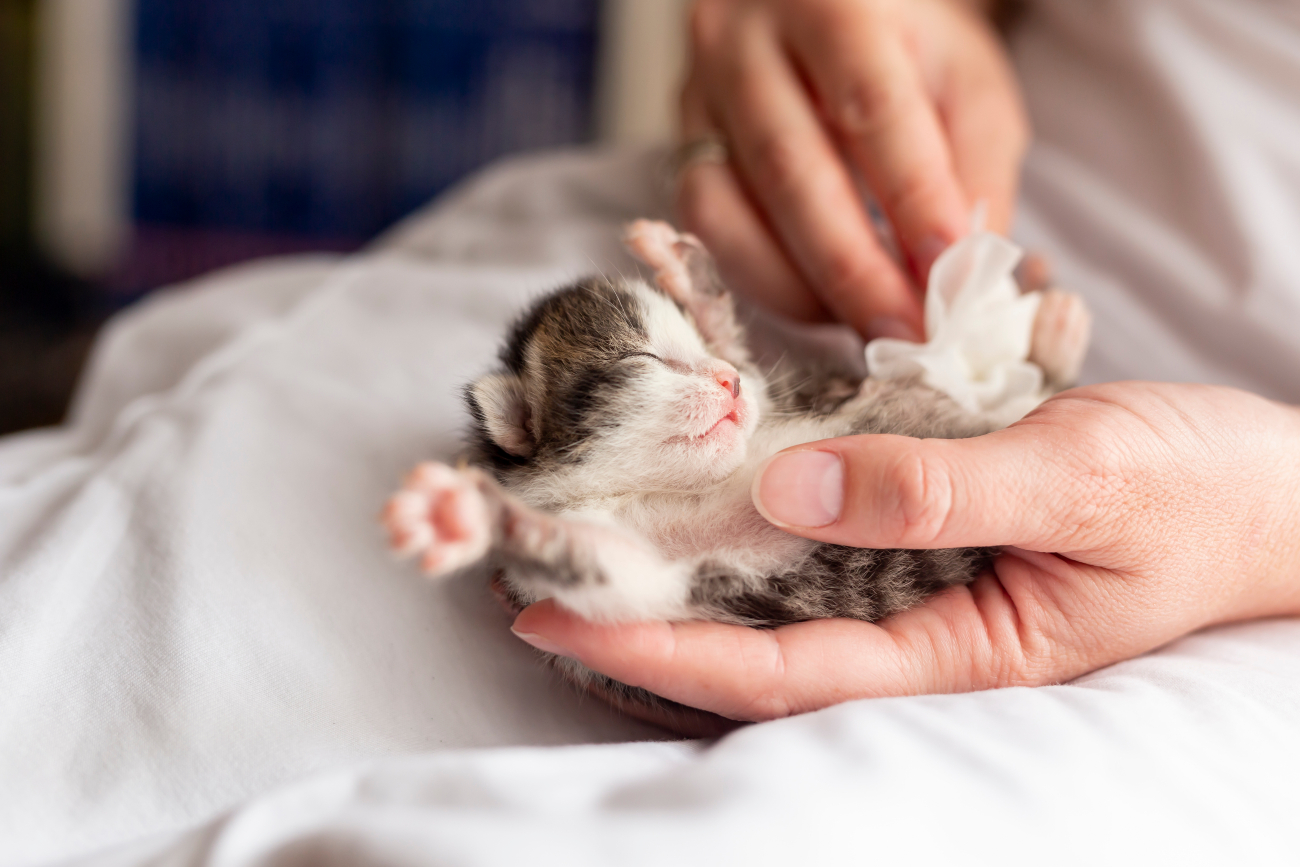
[(274, 126)]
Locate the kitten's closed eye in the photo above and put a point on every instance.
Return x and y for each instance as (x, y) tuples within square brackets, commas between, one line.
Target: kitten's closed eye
[(628, 355), (674, 366)]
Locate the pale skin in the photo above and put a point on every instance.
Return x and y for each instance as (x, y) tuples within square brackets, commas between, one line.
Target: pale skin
[(1131, 513)]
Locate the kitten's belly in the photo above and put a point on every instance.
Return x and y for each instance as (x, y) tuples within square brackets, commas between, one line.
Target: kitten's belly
[(721, 525), (744, 539)]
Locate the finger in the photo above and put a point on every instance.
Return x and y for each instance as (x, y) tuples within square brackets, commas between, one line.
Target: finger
[(1034, 273), (987, 129), (1044, 484), (790, 167), (964, 639), (712, 204), (734, 671), (874, 99)]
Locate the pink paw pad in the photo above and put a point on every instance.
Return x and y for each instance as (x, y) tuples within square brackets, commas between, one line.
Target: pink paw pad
[(440, 514)]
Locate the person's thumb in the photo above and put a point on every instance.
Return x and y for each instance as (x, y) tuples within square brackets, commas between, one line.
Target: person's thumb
[(1011, 487)]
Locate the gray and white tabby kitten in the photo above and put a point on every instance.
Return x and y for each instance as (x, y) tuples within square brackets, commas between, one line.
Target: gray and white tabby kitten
[(613, 453)]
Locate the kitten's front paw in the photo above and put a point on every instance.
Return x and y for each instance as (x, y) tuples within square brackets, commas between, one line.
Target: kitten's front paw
[(1060, 337), (441, 514)]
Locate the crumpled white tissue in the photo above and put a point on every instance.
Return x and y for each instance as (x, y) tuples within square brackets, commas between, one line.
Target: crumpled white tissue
[(978, 329)]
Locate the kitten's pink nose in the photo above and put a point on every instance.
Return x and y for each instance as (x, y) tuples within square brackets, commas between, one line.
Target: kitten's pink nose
[(730, 380)]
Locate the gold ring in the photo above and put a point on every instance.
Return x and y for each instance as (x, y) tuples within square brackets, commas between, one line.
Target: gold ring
[(711, 148)]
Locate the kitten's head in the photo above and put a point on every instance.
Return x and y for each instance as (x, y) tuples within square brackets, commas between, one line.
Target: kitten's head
[(609, 386)]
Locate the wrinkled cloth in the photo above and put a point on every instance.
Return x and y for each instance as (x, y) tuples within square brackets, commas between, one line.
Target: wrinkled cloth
[(1187, 756), (978, 328), (207, 656), (197, 603)]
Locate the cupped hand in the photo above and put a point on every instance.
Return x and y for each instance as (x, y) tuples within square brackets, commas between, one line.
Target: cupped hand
[(913, 97), (1136, 513)]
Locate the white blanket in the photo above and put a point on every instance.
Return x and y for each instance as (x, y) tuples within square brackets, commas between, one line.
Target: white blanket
[(199, 611), (207, 656)]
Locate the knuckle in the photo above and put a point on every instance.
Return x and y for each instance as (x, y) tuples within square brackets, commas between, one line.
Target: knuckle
[(780, 162), (845, 271), (916, 192), (764, 667), (924, 492), (863, 108)]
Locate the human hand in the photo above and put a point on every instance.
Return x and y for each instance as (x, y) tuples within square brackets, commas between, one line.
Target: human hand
[(914, 96), (1168, 508)]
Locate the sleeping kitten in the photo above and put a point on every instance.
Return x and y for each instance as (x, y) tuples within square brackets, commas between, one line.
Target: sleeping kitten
[(613, 453)]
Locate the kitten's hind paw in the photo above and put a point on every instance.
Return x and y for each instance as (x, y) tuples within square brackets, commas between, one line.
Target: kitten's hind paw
[(683, 268), (440, 514), (1060, 338), (685, 272)]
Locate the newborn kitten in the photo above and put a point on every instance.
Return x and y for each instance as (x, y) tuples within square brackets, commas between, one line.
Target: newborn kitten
[(613, 453)]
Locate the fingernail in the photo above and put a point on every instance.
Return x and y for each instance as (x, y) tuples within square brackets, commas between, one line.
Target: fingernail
[(891, 326), (543, 644), (800, 489)]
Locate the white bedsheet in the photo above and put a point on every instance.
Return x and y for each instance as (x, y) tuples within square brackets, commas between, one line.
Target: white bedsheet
[(1186, 757), (207, 657), (199, 613)]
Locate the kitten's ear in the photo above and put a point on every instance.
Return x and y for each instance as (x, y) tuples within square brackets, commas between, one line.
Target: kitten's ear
[(500, 405)]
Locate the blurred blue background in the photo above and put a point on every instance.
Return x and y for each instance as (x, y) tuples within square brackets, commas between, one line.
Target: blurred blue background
[(144, 142), (266, 126)]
